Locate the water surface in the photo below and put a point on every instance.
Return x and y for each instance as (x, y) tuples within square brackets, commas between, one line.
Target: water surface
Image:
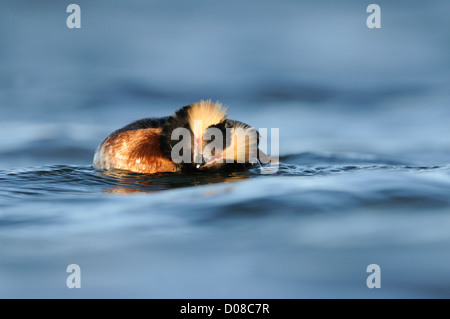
[(364, 141)]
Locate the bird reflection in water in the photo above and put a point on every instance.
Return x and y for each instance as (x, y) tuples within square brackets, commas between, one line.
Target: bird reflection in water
[(124, 182)]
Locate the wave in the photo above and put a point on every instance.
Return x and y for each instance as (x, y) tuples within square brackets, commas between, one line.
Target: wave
[(342, 178)]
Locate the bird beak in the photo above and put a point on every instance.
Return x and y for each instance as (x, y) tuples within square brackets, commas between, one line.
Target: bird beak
[(198, 160), (207, 162), (201, 162)]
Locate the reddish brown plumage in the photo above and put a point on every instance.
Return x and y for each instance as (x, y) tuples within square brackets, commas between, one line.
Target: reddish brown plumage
[(134, 150)]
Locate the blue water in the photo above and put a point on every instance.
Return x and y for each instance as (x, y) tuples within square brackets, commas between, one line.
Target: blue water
[(364, 142)]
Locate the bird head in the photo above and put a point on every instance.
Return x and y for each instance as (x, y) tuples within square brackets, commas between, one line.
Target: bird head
[(201, 137)]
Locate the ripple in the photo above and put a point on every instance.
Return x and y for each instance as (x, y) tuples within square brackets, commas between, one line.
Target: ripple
[(70, 180)]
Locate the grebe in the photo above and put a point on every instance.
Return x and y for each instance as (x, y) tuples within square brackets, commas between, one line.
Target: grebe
[(157, 145)]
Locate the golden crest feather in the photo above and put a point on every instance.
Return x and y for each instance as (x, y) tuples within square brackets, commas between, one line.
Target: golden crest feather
[(207, 112)]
